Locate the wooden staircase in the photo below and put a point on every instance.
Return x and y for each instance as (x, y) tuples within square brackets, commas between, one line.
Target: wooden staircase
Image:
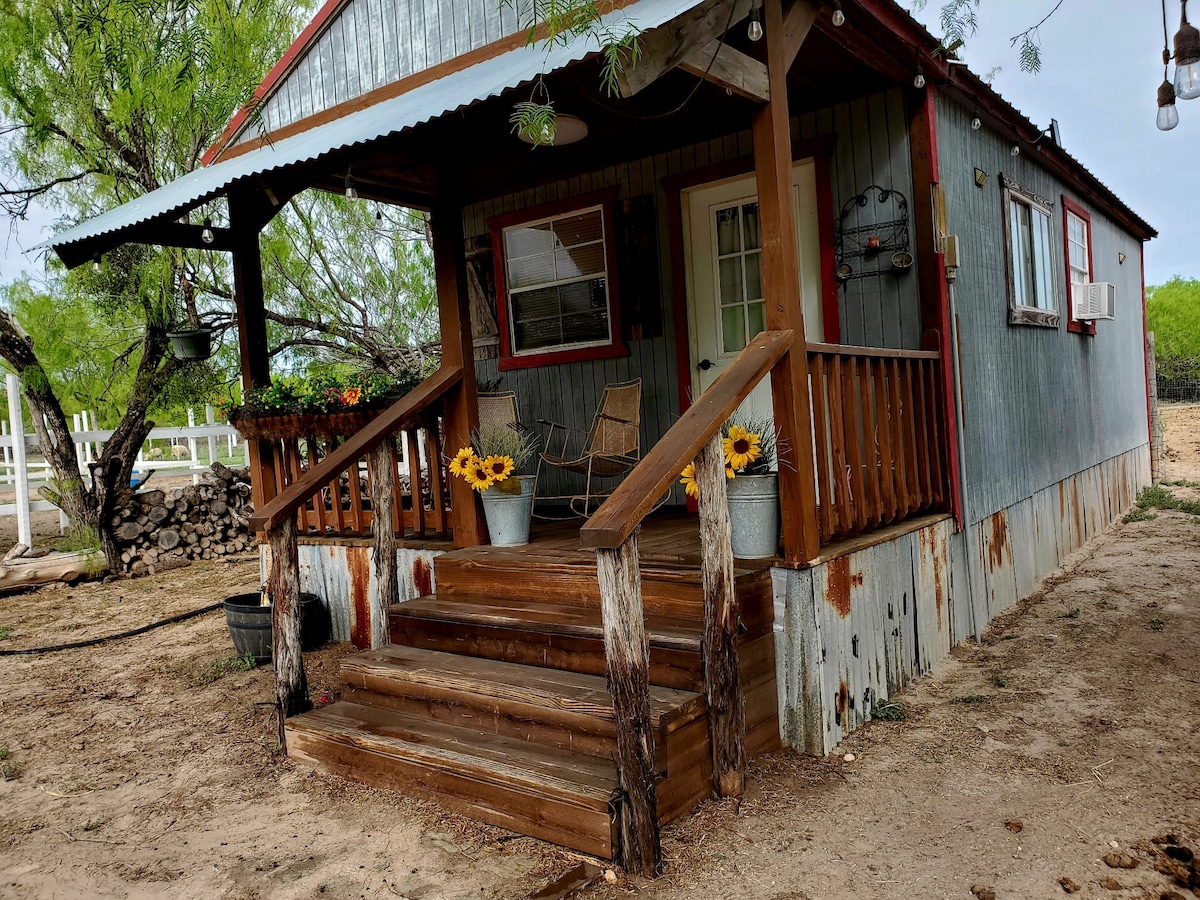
[(492, 699)]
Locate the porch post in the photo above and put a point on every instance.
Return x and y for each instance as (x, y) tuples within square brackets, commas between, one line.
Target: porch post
[(461, 411), (252, 334), (781, 286)]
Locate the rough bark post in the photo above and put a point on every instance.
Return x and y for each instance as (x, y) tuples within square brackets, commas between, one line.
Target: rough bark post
[(461, 405), (781, 285), (382, 466), (722, 682), (627, 653), (291, 685)]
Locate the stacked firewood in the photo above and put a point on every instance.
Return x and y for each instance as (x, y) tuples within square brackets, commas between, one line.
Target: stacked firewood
[(165, 529)]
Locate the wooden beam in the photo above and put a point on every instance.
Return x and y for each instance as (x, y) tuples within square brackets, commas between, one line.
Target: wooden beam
[(665, 47), (796, 25), (381, 464), (461, 409), (781, 285), (729, 68), (291, 684), (722, 681), (627, 656)]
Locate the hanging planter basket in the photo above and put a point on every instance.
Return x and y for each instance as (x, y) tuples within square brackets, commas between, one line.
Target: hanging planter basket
[(192, 344), (302, 425)]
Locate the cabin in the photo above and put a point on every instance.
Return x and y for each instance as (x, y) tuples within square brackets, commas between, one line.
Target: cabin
[(799, 207)]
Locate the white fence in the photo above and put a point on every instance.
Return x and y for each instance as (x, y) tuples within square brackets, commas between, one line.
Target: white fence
[(21, 473)]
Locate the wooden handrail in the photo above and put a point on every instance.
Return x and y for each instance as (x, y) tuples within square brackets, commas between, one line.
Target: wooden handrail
[(879, 352), (396, 417), (634, 497)]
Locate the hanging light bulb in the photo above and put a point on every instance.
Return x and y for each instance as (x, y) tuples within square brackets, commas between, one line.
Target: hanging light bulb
[(206, 234), (96, 267), (1187, 58), (351, 190), (1015, 150), (378, 213), (754, 30), (976, 122), (919, 79), (839, 17), (1168, 115)]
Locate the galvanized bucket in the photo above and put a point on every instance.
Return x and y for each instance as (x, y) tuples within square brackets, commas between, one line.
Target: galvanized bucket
[(754, 515), (508, 514)]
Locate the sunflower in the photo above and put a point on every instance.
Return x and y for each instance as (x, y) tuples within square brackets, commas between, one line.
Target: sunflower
[(730, 471), (688, 479), (477, 475), (741, 447), (462, 460), (499, 467)]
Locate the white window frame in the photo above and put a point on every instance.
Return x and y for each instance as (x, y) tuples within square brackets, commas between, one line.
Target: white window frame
[(606, 275), (1045, 309)]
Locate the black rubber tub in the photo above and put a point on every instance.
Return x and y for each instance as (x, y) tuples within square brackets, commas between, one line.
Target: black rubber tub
[(250, 624)]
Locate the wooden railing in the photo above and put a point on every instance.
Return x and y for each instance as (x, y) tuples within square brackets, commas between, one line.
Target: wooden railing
[(612, 531), (343, 506), (316, 494), (878, 434)]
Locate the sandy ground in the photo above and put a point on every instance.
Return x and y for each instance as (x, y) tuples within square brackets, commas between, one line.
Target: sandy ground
[(147, 767), (1181, 438)]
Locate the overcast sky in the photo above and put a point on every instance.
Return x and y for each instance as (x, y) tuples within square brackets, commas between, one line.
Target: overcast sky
[(1101, 68)]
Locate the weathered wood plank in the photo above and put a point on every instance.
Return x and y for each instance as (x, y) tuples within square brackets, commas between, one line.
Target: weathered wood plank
[(291, 684), (383, 500)]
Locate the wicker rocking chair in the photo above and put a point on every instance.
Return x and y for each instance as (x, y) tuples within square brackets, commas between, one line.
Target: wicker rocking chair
[(499, 410), (611, 447)]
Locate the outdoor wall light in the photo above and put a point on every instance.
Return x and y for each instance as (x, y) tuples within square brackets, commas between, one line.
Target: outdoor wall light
[(206, 234), (567, 130), (351, 190), (839, 17), (754, 30), (1187, 58), (980, 177)]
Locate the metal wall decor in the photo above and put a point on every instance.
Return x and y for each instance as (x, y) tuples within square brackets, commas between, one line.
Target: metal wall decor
[(872, 237)]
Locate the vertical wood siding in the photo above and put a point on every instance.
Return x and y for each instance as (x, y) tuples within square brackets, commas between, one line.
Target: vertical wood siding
[(1039, 403), (851, 632), (871, 146), (371, 43)]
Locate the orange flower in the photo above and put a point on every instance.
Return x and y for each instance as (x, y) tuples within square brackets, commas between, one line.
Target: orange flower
[(351, 396)]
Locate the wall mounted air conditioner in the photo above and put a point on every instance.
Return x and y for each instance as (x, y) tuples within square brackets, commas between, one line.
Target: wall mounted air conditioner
[(1093, 301)]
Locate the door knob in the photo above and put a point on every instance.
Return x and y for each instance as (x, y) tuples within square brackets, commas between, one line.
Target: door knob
[(705, 365)]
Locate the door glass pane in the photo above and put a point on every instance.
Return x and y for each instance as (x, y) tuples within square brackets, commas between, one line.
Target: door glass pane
[(727, 231), (754, 289), (750, 226), (731, 280), (756, 317), (733, 328)]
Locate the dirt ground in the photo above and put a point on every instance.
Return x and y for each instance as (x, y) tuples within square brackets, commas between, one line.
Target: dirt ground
[(147, 767), (1181, 440)]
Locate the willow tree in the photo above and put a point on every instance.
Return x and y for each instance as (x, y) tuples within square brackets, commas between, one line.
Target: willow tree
[(102, 101)]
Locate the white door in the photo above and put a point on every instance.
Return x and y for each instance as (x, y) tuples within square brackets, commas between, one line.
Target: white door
[(722, 258)]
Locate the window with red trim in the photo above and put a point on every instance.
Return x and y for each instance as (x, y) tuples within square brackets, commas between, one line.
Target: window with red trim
[(1077, 244), (556, 275)]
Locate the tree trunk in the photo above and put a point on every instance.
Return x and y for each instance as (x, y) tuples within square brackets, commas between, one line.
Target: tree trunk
[(627, 653), (382, 466), (726, 707), (291, 684)]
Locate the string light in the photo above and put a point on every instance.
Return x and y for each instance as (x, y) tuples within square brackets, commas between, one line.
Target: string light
[(351, 190), (1015, 150), (839, 17), (1187, 58), (754, 30), (1168, 115), (96, 267), (919, 79), (976, 122), (206, 234)]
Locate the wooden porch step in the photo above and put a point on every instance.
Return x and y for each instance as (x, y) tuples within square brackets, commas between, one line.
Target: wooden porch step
[(557, 795), (552, 707), (568, 578)]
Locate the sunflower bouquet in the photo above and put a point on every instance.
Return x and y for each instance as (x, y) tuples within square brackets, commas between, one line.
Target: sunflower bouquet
[(749, 446), (495, 453)]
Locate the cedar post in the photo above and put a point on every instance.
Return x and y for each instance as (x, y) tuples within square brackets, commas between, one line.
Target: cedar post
[(627, 653), (461, 407), (252, 333), (722, 684), (781, 286), (291, 685), (382, 465)]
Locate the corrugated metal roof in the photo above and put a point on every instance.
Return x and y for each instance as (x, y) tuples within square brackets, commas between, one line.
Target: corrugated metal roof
[(422, 104)]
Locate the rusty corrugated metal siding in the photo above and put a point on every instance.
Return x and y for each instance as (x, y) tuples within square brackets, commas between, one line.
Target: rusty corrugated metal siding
[(1040, 404), (853, 631)]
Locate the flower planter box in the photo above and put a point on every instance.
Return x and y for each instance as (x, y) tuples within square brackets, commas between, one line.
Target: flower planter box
[(278, 428)]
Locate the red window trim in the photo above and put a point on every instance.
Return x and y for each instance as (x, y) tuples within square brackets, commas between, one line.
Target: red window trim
[(1070, 206), (508, 361)]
